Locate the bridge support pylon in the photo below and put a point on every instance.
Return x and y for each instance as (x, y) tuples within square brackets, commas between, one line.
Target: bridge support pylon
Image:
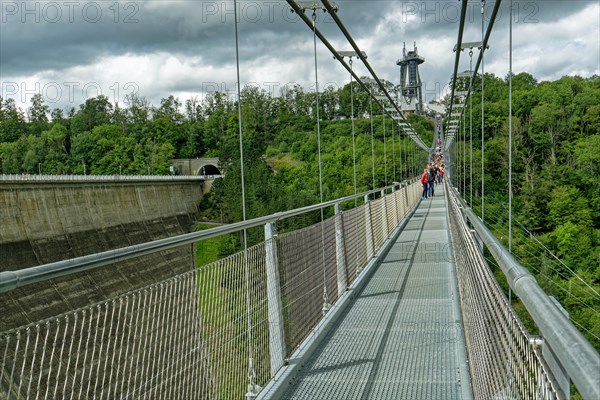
[(275, 314), (340, 253), (369, 228)]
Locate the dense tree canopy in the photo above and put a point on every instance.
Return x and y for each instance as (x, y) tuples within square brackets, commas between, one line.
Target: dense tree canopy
[(556, 134), (556, 183)]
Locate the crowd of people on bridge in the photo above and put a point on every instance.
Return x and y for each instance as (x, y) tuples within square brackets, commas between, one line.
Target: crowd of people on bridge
[(433, 174)]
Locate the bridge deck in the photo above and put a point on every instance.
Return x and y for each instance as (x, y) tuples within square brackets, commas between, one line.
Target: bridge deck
[(401, 338)]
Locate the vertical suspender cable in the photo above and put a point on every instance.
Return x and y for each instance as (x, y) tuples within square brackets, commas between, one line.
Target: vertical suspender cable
[(384, 151), (239, 99), (400, 147), (471, 127), (353, 147), (412, 158), (456, 160), (421, 157), (353, 135), (400, 130), (372, 138), (325, 297), (405, 172), (452, 164), (510, 127), (464, 145), (510, 193), (411, 164), (314, 18), (461, 154), (394, 151), (482, 113), (415, 159), (463, 13), (409, 158), (406, 156), (251, 373)]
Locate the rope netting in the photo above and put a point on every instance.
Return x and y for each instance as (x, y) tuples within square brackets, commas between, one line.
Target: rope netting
[(187, 337), (504, 361)]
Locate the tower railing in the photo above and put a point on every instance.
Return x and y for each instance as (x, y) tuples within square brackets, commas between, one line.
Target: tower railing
[(188, 336)]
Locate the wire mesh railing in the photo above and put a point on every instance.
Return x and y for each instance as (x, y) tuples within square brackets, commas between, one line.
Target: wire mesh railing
[(187, 336), (379, 221), (302, 283), (572, 287), (504, 362), (355, 241)]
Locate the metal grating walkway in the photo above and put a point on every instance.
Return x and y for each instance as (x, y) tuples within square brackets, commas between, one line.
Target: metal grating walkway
[(401, 337)]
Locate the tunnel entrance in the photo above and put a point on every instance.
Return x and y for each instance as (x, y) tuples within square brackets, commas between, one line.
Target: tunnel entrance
[(209, 169)]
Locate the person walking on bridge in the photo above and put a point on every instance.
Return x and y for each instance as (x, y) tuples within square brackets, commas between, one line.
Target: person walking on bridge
[(425, 182), (431, 180)]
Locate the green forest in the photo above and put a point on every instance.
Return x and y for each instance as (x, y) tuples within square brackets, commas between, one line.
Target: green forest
[(556, 177), (556, 184)]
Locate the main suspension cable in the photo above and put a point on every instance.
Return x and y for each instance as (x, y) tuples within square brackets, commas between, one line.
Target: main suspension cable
[(363, 58), (461, 27), (488, 33)]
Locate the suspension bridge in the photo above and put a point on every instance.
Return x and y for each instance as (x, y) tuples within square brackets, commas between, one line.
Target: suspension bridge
[(391, 297)]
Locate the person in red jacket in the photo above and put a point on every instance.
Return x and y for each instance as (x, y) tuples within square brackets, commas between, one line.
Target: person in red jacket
[(425, 182)]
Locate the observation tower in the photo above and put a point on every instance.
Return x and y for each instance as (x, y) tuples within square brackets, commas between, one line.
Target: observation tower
[(410, 80)]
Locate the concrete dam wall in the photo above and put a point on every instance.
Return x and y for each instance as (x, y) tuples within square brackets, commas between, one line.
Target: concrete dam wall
[(43, 222)]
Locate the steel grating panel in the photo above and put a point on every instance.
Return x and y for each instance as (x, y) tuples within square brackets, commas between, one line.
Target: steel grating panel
[(402, 336)]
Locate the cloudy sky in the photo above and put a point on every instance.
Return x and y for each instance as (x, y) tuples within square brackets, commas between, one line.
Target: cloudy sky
[(72, 50)]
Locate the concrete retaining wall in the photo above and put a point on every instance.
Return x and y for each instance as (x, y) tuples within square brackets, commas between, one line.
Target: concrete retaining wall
[(43, 222)]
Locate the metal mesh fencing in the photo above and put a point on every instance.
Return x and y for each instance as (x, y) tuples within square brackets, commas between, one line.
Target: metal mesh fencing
[(402, 201), (307, 265), (378, 222), (391, 213), (185, 337), (413, 193), (355, 240), (188, 336), (127, 347), (503, 361), (223, 301)]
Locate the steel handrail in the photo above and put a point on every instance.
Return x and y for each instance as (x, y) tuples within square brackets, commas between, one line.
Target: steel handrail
[(577, 356), (10, 280)]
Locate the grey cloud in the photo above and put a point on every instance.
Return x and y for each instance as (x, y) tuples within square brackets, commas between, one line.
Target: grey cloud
[(268, 34)]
